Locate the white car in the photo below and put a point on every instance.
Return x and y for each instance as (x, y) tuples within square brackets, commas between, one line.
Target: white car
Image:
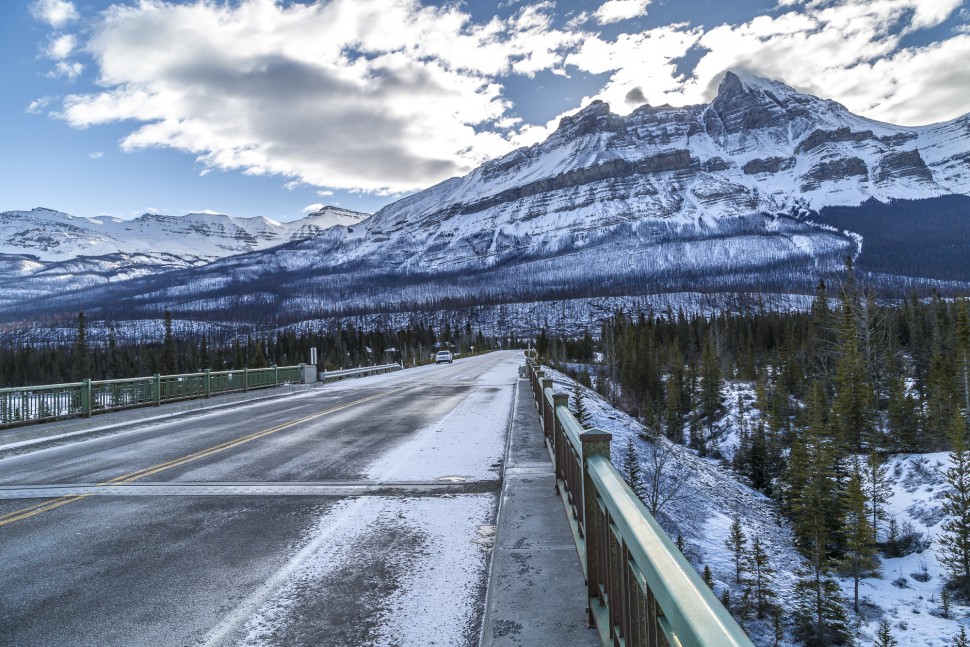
[(443, 356)]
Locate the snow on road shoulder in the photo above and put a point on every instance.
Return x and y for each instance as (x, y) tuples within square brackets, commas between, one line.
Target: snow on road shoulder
[(468, 442), (382, 571)]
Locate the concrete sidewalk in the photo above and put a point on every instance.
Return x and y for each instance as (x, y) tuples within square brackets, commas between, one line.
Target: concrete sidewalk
[(537, 595)]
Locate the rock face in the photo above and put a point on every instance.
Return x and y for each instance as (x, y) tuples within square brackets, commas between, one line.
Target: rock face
[(635, 202)]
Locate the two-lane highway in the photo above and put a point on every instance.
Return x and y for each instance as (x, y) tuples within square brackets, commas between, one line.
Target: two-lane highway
[(355, 513)]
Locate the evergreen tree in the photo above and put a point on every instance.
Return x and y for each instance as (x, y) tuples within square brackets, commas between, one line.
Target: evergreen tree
[(579, 410), (954, 551), (711, 386), (815, 509), (877, 490), (961, 639), (630, 469), (852, 406), (859, 559), (884, 636), (737, 545), (762, 578)]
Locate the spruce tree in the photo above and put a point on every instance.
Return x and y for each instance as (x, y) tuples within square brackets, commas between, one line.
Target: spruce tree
[(762, 578), (877, 489), (859, 558), (630, 469), (737, 545), (852, 406), (954, 551), (579, 410), (961, 639), (884, 636)]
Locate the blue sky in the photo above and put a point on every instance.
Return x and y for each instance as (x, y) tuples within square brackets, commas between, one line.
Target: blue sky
[(270, 108)]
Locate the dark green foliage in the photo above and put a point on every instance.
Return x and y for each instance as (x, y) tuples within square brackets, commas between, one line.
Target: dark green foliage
[(954, 551), (630, 469), (134, 350), (578, 406), (884, 636)]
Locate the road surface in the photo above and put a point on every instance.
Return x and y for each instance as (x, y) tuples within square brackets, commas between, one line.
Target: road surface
[(359, 513)]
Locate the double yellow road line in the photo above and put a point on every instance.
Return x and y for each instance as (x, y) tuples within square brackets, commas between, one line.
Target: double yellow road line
[(46, 506)]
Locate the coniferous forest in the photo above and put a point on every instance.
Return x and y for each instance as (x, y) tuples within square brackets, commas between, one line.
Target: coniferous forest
[(121, 354), (837, 390)]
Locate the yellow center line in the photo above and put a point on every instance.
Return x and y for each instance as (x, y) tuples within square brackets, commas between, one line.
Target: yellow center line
[(39, 508)]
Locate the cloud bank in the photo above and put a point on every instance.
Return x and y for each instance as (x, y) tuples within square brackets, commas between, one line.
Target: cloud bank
[(386, 96)]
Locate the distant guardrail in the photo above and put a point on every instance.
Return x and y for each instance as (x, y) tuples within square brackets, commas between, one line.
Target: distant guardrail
[(32, 404), (333, 376), (641, 589)]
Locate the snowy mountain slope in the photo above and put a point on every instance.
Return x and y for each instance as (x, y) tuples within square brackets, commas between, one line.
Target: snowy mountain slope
[(45, 252), (906, 594), (49, 235), (713, 197)]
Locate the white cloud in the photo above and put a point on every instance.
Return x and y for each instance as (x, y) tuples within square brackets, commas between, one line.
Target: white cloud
[(55, 13), (389, 96), (312, 208), (616, 10), (66, 69), (849, 51), (62, 46), (383, 96), (37, 105), (96, 155)]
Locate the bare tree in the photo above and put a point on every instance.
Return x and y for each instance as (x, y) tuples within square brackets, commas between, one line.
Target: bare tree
[(663, 475)]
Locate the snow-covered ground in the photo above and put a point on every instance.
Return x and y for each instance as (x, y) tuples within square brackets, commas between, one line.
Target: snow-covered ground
[(714, 494)]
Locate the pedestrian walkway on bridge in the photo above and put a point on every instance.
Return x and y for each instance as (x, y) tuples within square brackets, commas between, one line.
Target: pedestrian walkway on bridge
[(537, 595)]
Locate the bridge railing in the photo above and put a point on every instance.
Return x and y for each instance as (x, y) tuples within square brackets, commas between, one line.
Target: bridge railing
[(641, 589), (26, 405), (333, 376)]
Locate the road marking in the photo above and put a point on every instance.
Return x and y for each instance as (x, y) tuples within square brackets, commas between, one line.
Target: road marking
[(25, 513), (445, 484)]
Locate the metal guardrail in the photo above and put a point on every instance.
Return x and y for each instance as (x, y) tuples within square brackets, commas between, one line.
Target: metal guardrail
[(333, 376), (641, 589), (26, 405)]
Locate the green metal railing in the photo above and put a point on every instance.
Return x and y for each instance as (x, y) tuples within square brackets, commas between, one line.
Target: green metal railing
[(641, 589), (363, 371), (26, 405)]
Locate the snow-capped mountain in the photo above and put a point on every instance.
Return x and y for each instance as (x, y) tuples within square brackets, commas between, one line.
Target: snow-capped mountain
[(715, 197), (48, 235), (758, 147)]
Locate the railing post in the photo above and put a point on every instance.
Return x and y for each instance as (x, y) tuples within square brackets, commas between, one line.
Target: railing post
[(557, 400), (208, 382), (547, 412), (245, 380), (276, 375), (86, 399), (157, 389), (596, 442), (537, 390)]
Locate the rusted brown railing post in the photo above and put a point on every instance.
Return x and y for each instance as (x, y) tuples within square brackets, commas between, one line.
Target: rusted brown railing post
[(596, 442)]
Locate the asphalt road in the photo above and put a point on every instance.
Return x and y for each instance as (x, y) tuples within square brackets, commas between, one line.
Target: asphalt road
[(352, 514)]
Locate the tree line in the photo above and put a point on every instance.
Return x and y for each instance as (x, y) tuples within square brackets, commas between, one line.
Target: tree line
[(119, 354), (836, 389)]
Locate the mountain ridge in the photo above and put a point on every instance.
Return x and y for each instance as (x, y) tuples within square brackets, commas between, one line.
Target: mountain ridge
[(641, 203)]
